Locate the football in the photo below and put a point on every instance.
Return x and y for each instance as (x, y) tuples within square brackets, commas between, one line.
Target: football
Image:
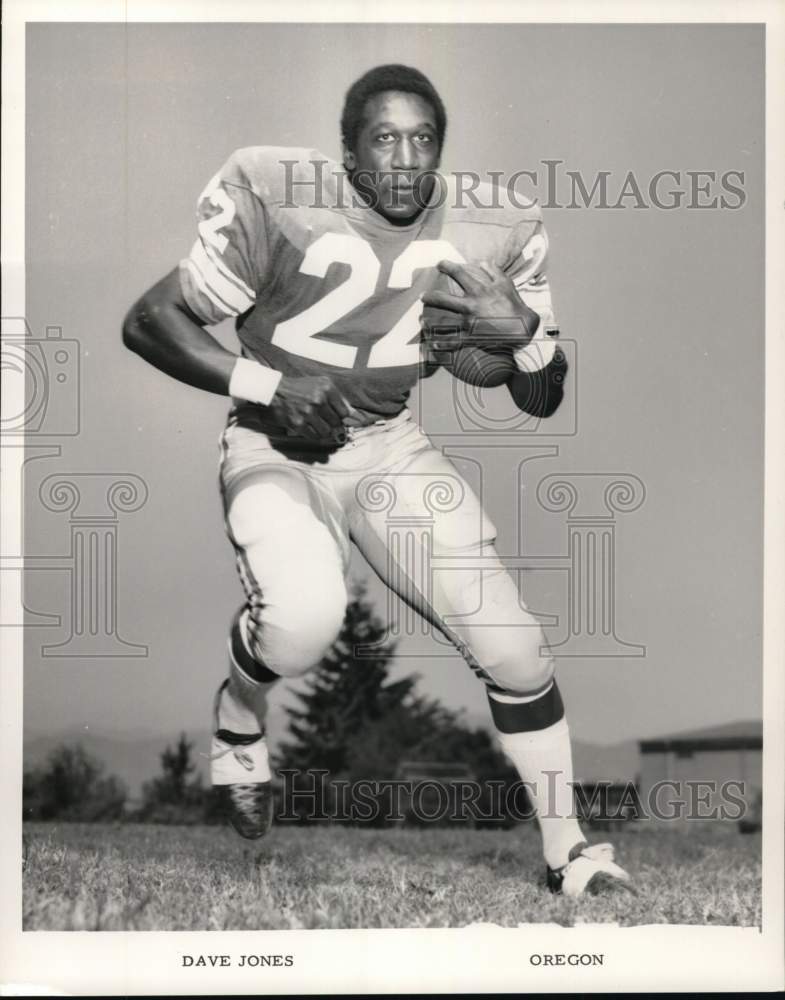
[(461, 345)]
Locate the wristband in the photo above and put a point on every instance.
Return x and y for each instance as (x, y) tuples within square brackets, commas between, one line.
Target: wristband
[(253, 381)]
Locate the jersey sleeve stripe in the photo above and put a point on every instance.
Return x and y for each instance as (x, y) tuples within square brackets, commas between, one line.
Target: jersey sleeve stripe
[(236, 299), (533, 282), (536, 297), (540, 350), (229, 274), (222, 308)]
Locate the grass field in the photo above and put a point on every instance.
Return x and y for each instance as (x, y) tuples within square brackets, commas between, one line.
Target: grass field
[(130, 877)]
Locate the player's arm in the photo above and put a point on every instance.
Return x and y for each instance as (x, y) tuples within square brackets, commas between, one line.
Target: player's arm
[(215, 282), (537, 384), (162, 329), (509, 309)]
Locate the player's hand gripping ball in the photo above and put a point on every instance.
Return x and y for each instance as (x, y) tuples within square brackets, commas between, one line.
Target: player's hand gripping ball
[(471, 324)]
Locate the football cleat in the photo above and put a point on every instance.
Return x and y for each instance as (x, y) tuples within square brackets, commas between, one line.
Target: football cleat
[(240, 771), (589, 870)]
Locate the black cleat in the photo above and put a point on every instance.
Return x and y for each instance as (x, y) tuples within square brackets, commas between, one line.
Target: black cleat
[(240, 771)]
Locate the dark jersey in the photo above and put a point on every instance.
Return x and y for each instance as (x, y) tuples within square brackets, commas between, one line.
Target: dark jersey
[(320, 283)]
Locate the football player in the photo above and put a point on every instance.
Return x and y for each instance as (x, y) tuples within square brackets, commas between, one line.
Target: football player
[(328, 270)]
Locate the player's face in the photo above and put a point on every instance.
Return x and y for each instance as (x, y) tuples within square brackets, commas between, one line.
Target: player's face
[(394, 156)]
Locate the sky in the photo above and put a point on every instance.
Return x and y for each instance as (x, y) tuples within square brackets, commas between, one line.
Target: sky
[(662, 309)]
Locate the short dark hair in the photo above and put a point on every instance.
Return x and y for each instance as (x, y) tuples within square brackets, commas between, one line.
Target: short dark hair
[(393, 76)]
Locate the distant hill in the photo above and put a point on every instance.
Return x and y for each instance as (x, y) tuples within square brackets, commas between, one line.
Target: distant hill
[(592, 761), (135, 757), (133, 760)]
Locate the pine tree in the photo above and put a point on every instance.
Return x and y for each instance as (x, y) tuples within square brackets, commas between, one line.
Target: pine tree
[(175, 795), (176, 767), (72, 786), (356, 724), (344, 694)]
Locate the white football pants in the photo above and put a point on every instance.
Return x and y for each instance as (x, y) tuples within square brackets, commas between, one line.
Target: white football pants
[(291, 516)]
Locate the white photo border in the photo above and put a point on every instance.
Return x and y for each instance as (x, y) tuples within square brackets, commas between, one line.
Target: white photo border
[(486, 958)]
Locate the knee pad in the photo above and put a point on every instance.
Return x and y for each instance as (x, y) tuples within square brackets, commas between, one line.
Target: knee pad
[(521, 662), (294, 628), (292, 570), (514, 659)]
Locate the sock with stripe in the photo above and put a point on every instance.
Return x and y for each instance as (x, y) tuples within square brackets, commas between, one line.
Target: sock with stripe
[(533, 733), (244, 701)]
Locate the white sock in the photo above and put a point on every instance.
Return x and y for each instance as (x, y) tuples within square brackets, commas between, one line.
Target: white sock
[(543, 759)]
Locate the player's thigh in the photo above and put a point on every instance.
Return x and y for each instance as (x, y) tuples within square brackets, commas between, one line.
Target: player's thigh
[(419, 528), (292, 549), (433, 544)]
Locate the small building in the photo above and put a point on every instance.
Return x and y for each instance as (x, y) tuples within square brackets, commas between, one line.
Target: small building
[(704, 773), (606, 780), (602, 804), (426, 770)]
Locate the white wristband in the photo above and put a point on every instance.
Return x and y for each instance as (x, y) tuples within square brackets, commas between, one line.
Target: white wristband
[(252, 381)]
